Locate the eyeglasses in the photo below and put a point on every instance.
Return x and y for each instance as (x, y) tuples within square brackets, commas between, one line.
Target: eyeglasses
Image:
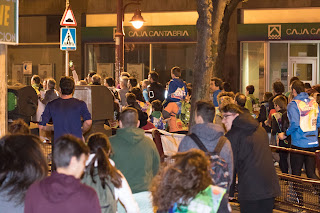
[(226, 116)]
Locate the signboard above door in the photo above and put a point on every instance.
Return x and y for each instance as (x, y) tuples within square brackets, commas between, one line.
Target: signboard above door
[(278, 32)]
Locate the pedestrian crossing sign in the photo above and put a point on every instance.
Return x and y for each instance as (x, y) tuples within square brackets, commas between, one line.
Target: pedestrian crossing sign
[(68, 38)]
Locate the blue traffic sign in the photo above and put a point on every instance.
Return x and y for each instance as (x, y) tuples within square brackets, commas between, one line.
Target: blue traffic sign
[(68, 38)]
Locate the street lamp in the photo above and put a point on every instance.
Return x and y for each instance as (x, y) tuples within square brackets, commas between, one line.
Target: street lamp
[(137, 22)]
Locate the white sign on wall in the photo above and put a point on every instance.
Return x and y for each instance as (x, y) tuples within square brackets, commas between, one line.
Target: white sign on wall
[(45, 71), (136, 70), (27, 68), (17, 74), (105, 70)]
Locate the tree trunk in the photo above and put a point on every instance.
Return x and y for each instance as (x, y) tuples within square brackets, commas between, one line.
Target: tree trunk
[(203, 60), (223, 36), (219, 7)]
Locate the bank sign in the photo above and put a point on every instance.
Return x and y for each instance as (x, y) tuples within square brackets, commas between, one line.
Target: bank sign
[(9, 21), (181, 33), (277, 32)]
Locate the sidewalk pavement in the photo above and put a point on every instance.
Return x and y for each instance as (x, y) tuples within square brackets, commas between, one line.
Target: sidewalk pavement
[(236, 208)]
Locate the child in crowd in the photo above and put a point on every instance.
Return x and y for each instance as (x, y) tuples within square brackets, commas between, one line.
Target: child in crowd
[(226, 87), (145, 106), (145, 84), (156, 116), (171, 112), (280, 123), (102, 175), (184, 184), (252, 102), (132, 82), (186, 108), (177, 89), (143, 117), (264, 111)]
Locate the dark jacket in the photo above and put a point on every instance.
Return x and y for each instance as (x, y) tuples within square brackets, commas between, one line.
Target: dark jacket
[(61, 193), (50, 95), (276, 124), (263, 115), (156, 91), (253, 160)]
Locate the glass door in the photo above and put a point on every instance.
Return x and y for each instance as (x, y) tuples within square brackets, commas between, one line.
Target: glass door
[(304, 69)]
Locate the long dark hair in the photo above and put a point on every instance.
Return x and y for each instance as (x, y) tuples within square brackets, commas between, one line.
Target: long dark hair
[(22, 163), (100, 146), (180, 180)]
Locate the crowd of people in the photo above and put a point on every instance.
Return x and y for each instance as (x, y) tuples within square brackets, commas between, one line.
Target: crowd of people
[(227, 146)]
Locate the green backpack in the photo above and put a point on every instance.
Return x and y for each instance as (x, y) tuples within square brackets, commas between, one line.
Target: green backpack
[(106, 197)]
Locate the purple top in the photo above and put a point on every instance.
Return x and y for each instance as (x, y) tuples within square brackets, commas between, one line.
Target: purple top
[(61, 193)]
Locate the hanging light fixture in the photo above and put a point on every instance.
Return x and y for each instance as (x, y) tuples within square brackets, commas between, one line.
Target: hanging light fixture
[(137, 20)]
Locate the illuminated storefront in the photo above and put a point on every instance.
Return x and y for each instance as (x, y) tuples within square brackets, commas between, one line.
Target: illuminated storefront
[(166, 40), (278, 44)]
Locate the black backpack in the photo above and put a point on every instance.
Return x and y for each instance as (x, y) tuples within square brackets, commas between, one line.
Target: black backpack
[(219, 167)]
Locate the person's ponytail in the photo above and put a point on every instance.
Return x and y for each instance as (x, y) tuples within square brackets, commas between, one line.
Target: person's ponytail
[(105, 169)]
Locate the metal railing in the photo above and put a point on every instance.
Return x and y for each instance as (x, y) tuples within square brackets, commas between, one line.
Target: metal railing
[(297, 151), (298, 193)]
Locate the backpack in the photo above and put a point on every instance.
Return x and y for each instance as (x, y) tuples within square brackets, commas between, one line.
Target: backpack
[(159, 123), (219, 167), (106, 196)]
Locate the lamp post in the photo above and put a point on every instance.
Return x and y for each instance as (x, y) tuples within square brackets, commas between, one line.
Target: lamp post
[(137, 21)]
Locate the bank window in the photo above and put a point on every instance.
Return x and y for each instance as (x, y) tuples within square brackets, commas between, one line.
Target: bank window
[(136, 60), (100, 58), (166, 56), (253, 67), (303, 50), (278, 64)]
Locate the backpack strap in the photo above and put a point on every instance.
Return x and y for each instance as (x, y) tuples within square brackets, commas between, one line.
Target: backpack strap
[(195, 138), (220, 144)]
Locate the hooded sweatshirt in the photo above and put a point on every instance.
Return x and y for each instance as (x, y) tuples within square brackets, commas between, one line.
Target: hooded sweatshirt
[(299, 138), (136, 156), (209, 134), (252, 159), (61, 193), (177, 90)]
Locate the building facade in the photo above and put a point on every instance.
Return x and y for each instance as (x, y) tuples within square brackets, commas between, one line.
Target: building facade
[(268, 40)]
